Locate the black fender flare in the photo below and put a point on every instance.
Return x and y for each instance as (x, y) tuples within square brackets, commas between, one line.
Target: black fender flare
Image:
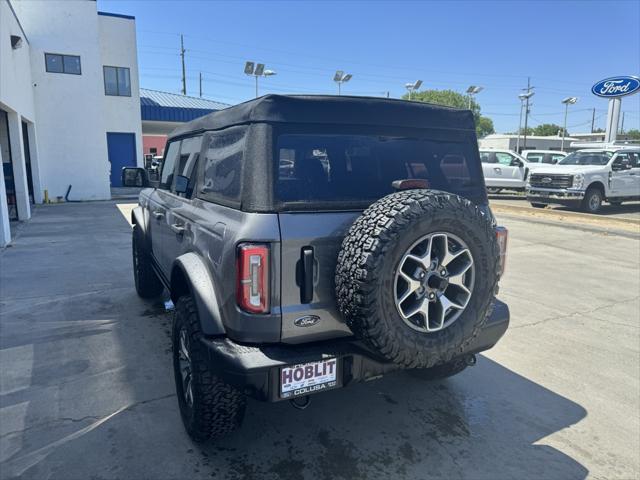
[(190, 275)]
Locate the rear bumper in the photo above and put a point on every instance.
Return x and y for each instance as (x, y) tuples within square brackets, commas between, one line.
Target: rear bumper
[(255, 370)]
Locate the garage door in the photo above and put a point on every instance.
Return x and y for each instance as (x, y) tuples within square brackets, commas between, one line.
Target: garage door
[(122, 153)]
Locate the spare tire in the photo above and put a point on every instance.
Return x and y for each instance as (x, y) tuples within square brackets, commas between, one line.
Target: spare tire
[(416, 276)]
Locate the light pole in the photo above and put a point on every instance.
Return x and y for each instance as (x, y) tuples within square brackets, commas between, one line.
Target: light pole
[(256, 71), (340, 77), (412, 87), (567, 101), (473, 90), (524, 99)]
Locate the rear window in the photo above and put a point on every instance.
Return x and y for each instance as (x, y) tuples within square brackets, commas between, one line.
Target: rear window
[(359, 169)]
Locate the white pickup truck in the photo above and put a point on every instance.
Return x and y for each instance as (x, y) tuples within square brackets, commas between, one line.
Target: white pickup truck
[(586, 178), (506, 170)]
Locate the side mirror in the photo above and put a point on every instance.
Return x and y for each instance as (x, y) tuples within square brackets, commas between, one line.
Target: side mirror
[(516, 162), (134, 177), (181, 184)]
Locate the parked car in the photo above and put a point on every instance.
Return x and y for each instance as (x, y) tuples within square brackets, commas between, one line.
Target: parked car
[(304, 252), (504, 169), (586, 178), (549, 157)]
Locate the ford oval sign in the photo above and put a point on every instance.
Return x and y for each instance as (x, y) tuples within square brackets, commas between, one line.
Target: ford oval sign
[(616, 87)]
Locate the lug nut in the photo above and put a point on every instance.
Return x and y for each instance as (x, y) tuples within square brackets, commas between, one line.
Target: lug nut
[(432, 296), (443, 272)]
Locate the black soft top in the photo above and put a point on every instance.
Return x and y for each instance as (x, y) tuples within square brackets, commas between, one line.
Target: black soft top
[(331, 109)]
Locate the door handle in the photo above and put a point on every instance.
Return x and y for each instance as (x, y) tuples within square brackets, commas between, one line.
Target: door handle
[(157, 214), (306, 286), (177, 228), (497, 170)]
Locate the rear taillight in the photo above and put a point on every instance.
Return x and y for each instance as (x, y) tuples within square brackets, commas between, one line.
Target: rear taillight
[(253, 278), (502, 235)]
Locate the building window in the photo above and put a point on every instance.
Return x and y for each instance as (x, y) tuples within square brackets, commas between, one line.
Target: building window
[(117, 81), (56, 63)]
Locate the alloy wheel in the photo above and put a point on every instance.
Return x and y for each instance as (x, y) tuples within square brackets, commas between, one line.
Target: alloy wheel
[(186, 371), (434, 282)]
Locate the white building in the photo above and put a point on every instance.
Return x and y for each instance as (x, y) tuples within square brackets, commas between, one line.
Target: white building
[(69, 103), (510, 142)]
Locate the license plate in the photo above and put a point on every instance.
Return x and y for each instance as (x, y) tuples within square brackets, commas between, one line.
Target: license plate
[(306, 378)]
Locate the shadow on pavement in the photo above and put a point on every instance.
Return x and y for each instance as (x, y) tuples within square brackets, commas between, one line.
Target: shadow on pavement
[(87, 390)]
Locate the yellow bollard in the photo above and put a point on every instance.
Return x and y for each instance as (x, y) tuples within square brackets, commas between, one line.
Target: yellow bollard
[(46, 196)]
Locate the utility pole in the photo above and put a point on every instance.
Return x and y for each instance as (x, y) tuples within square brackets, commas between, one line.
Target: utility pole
[(622, 125), (526, 114), (593, 120), (184, 76), (200, 84)]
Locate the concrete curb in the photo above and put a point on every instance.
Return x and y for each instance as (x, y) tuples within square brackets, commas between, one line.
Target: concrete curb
[(583, 220)]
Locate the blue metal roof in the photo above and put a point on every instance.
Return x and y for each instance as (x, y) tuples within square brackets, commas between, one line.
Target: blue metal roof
[(171, 107)]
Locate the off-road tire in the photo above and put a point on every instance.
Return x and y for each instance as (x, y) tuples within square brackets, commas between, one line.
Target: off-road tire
[(538, 205), (218, 408), (370, 254), (590, 205), (147, 283), (439, 372)]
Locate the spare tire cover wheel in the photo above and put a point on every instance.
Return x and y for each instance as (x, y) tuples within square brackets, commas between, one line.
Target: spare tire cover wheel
[(416, 276)]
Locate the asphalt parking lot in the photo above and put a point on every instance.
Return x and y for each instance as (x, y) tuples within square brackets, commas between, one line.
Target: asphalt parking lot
[(86, 387)]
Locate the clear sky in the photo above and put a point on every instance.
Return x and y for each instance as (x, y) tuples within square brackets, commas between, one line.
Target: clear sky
[(564, 47)]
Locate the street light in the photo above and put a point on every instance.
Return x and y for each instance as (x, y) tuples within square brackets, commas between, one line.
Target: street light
[(412, 87), (473, 90), (524, 97), (340, 77), (256, 71), (567, 101)]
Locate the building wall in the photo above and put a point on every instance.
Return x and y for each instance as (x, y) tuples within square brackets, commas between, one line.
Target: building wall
[(70, 109), (510, 142), (16, 99), (154, 141), (118, 49), (16, 87)]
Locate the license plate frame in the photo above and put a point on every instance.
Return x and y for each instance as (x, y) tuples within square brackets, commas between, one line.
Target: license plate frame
[(297, 380)]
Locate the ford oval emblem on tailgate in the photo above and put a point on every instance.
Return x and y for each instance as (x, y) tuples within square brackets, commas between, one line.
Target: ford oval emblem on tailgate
[(306, 321)]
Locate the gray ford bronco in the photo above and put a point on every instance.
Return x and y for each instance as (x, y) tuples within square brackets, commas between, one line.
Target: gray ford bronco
[(310, 242)]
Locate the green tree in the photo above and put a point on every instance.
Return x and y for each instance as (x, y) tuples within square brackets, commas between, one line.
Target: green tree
[(484, 127), (633, 134), (547, 130), (450, 98)]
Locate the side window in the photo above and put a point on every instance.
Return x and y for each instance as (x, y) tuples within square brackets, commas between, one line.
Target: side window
[(189, 153), (223, 159), (169, 164), (485, 157), (504, 158), (535, 157), (634, 159)]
